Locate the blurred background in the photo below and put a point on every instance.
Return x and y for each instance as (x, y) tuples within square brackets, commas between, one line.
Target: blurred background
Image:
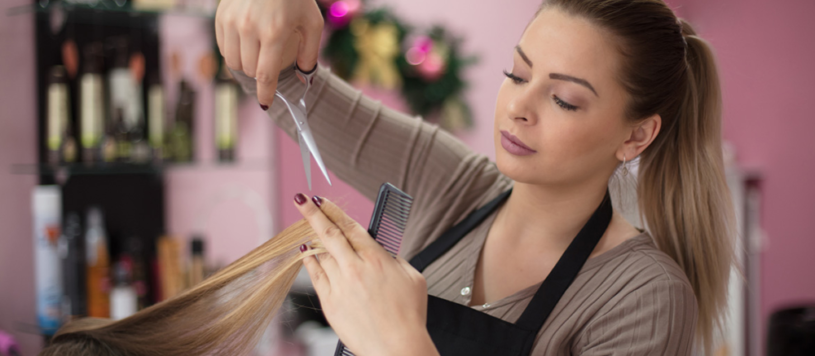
[(131, 165)]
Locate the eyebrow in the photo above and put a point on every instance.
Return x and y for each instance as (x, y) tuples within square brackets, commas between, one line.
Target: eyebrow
[(558, 76)]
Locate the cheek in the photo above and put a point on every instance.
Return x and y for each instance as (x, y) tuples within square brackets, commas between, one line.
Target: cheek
[(571, 145)]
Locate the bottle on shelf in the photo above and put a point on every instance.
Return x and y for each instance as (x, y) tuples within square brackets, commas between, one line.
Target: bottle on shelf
[(197, 266), (182, 138), (91, 108), (46, 208), (125, 106), (226, 116), (58, 117), (134, 251), (73, 268), (156, 116), (169, 264), (98, 265), (123, 298)]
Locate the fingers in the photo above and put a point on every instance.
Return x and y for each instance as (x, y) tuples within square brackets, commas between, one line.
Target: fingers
[(232, 47), (310, 45), (319, 278), (268, 68), (330, 235), (358, 236), (250, 47)]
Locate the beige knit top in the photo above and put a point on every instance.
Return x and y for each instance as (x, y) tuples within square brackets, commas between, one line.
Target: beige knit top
[(630, 300)]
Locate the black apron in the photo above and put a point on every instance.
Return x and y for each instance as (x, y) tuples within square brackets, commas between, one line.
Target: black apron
[(459, 330)]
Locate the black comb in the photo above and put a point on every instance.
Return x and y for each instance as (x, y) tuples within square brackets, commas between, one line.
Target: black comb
[(386, 227)]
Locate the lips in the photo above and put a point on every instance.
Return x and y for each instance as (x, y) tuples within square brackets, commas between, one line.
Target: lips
[(514, 145)]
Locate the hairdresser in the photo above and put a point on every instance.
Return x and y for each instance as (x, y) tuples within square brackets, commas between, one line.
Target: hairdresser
[(525, 255)]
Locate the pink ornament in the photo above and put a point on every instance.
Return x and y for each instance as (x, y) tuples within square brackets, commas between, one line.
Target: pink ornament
[(341, 12), (432, 68), (423, 43)]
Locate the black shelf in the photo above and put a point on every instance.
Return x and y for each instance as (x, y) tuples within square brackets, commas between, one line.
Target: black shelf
[(102, 169), (107, 7)]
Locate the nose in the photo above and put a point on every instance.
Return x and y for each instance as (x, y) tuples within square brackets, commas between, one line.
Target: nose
[(522, 107)]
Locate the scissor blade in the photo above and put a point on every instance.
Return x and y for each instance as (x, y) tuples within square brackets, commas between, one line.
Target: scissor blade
[(306, 159), (312, 146)]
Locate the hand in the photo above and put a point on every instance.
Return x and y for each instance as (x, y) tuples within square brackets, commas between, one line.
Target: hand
[(377, 304), (260, 37)]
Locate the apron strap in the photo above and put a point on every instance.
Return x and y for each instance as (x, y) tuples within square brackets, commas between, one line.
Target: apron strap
[(450, 237), (566, 269)]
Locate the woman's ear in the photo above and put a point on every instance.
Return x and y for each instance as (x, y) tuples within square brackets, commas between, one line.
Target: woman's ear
[(640, 137)]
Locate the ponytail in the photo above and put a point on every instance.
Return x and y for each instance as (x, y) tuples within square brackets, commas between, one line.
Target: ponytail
[(683, 195)]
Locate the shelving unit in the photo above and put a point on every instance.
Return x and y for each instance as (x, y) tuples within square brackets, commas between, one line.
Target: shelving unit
[(229, 203)]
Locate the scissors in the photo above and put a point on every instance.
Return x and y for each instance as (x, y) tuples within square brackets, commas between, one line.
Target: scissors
[(299, 114)]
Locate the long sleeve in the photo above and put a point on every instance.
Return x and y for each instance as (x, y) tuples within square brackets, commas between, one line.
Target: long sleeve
[(658, 318), (366, 144)]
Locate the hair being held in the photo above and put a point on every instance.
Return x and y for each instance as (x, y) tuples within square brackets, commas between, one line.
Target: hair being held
[(223, 315)]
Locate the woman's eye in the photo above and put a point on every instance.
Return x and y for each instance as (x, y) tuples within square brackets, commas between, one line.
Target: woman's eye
[(514, 77), (564, 104)]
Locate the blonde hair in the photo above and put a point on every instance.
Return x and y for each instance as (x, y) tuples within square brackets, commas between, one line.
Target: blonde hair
[(667, 69), (224, 314)]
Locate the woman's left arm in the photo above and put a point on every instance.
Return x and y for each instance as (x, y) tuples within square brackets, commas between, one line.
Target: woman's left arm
[(658, 318), (377, 304)]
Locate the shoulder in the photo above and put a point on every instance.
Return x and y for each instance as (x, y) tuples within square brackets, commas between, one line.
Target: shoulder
[(648, 302), (637, 263)]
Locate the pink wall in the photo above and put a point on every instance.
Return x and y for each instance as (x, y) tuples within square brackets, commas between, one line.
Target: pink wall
[(766, 54), (18, 116)]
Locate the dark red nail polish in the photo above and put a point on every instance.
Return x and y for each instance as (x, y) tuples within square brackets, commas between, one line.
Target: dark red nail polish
[(303, 248), (264, 107), (299, 198), (317, 200)]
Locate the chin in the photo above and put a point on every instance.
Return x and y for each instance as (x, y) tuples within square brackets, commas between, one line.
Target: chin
[(519, 169)]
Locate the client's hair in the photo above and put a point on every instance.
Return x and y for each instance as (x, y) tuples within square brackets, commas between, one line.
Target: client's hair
[(224, 315)]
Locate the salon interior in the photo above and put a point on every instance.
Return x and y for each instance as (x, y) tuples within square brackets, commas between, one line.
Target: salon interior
[(127, 147)]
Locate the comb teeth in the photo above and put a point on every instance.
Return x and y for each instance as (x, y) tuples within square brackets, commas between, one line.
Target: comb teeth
[(390, 216), (387, 226)]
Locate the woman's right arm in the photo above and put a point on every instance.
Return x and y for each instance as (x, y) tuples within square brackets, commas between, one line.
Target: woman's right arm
[(366, 143)]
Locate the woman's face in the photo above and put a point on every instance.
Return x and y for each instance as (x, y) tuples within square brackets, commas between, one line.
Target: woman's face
[(563, 102)]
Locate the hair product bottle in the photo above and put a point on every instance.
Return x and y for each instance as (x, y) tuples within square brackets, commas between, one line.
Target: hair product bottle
[(123, 298), (73, 268), (156, 118), (197, 265), (98, 265), (91, 109), (182, 140), (46, 209), (58, 114), (226, 117)]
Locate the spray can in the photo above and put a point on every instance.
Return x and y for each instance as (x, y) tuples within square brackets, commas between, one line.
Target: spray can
[(46, 210)]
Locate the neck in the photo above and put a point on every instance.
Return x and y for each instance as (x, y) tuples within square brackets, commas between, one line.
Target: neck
[(547, 218)]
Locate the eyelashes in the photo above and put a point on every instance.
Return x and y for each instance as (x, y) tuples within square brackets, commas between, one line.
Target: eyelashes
[(518, 80), (515, 78), (563, 104)]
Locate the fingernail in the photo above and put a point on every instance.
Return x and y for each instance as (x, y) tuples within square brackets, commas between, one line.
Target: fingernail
[(299, 198), (264, 107), (317, 200), (303, 248)]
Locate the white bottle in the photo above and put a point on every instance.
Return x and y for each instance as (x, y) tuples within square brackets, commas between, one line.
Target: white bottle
[(123, 297), (47, 209)]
